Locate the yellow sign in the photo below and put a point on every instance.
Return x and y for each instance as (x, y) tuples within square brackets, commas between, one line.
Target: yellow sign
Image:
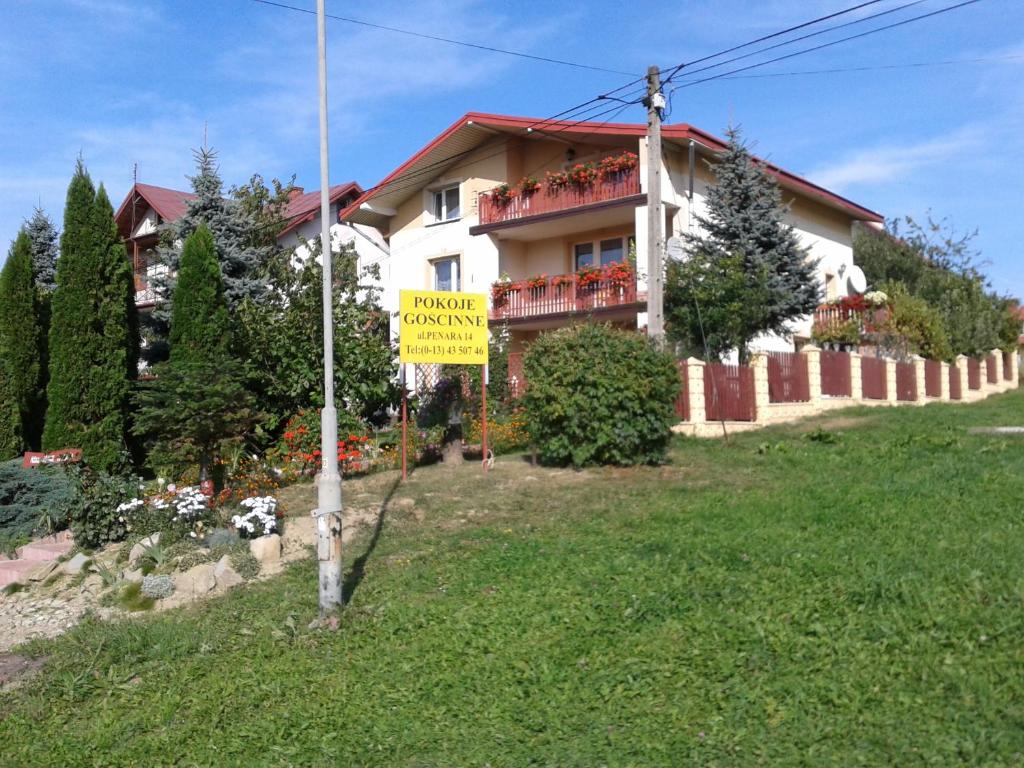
[(442, 327)]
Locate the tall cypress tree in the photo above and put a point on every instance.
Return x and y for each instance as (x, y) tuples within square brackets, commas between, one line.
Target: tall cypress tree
[(91, 358), (196, 401), (745, 254), (21, 346)]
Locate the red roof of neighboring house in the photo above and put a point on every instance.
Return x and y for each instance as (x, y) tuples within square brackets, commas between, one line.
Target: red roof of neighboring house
[(466, 133), (305, 206), (169, 204)]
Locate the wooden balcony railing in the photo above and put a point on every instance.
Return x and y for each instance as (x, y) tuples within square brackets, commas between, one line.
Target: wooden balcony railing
[(562, 294), (832, 316), (493, 209)]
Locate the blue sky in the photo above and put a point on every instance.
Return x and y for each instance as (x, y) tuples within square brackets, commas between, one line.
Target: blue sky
[(125, 82)]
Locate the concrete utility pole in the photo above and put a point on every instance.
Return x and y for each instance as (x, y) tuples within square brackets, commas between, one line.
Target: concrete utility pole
[(328, 512), (655, 102)]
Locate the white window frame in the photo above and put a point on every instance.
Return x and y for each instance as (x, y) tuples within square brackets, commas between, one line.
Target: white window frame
[(432, 206), (456, 260), (595, 245)]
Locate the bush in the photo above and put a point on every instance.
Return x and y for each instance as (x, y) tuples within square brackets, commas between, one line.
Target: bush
[(94, 513), (599, 395), (27, 494)]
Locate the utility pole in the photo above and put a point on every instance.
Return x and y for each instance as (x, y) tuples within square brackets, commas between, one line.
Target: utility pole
[(655, 103), (328, 511)]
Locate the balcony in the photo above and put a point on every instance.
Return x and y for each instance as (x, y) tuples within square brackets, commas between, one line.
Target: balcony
[(848, 322), (611, 290), (608, 184)]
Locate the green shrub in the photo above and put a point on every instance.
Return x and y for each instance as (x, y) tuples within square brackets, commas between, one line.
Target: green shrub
[(94, 515), (26, 494), (599, 395)]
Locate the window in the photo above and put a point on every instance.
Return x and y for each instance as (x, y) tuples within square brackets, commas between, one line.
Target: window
[(445, 205), (831, 286), (584, 255), (446, 274), (611, 251)]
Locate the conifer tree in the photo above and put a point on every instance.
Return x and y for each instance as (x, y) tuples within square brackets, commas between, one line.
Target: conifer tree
[(43, 236), (745, 256), (21, 346), (196, 401), (91, 345)]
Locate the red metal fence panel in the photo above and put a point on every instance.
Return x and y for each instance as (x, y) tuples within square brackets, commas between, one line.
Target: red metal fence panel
[(955, 390), (872, 378), (787, 378), (973, 374), (683, 399), (932, 378), (729, 392), (516, 377), (835, 373), (990, 369), (906, 381), (1007, 367)]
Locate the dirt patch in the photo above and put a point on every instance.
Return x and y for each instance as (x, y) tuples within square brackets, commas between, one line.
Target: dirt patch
[(16, 669), (842, 422)]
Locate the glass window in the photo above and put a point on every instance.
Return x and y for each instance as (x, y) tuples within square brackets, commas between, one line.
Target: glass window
[(445, 206), (446, 274), (584, 255), (611, 251)]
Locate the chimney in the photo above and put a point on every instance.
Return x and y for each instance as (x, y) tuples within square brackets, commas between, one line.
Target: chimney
[(296, 191)]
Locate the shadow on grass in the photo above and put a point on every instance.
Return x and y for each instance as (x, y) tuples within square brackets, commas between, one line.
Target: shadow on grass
[(358, 570)]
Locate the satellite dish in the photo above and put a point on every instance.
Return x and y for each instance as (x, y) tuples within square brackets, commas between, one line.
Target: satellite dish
[(856, 280), (674, 247)]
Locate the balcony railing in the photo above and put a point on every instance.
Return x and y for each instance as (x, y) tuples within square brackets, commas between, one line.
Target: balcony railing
[(562, 294), (614, 186), (834, 316)]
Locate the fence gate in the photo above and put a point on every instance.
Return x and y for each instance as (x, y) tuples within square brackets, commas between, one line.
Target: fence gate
[(835, 373), (787, 378), (906, 381), (872, 373), (729, 392)]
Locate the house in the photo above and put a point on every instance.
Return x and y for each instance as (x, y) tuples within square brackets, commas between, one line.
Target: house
[(533, 212), (147, 209)]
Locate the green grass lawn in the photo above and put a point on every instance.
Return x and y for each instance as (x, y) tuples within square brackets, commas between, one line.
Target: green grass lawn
[(845, 596)]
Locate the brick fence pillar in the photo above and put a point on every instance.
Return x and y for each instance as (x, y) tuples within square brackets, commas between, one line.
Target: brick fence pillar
[(960, 363), (856, 377), (890, 380), (944, 381), (759, 364), (695, 390), (919, 383), (813, 355)]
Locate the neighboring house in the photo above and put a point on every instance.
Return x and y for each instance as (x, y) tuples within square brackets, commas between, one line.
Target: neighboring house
[(147, 209), (450, 223)]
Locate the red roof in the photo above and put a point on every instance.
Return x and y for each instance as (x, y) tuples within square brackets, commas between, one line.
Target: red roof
[(306, 206), (169, 204), (487, 123)]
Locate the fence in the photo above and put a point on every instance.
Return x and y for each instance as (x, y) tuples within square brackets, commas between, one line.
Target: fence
[(932, 378), (729, 392), (906, 381), (516, 377), (973, 374), (1007, 367), (872, 377), (683, 400), (835, 374), (990, 369), (955, 390), (788, 381)]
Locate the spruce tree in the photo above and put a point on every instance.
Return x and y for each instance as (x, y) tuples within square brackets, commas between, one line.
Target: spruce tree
[(91, 358), (21, 346), (43, 237), (746, 254), (197, 401)]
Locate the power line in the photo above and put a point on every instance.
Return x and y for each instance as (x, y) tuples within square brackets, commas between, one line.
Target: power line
[(690, 83), (806, 37), (872, 68), (768, 37), (450, 41)]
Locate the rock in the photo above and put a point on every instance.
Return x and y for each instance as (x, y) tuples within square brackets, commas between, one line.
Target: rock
[(196, 581), (419, 515), (76, 564), (135, 575), (299, 533), (225, 575), (93, 585), (266, 549), (140, 549), (44, 570)]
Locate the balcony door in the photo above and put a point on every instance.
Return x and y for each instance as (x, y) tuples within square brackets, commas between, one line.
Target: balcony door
[(601, 253)]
